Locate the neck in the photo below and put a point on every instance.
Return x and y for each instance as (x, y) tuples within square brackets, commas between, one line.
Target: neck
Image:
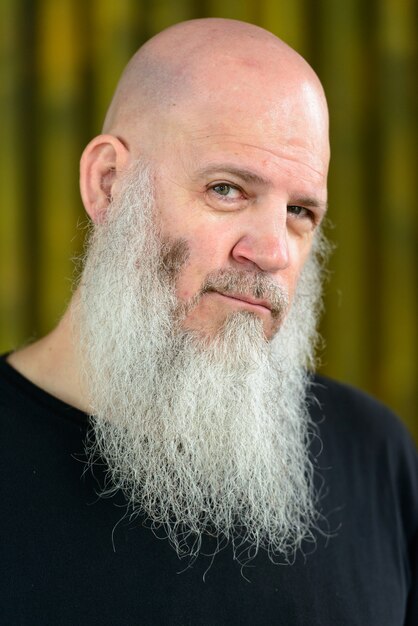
[(51, 364)]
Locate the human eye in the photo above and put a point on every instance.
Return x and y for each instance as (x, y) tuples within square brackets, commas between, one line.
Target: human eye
[(302, 219), (299, 211), (225, 191)]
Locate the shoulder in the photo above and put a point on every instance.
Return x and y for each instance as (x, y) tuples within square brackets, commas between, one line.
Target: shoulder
[(350, 410), (29, 412), (367, 446), (355, 425)]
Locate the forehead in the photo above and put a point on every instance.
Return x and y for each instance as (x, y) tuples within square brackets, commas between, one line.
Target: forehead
[(274, 143), (251, 114), (251, 108), (255, 142)]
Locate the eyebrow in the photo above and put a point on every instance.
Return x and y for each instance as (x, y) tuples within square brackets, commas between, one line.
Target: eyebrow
[(251, 177), (246, 175), (310, 202)]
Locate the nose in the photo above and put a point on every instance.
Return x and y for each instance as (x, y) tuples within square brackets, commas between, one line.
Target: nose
[(264, 244)]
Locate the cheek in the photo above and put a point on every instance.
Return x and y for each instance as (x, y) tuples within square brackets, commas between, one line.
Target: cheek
[(207, 252), (288, 277), (175, 255), (299, 256), (192, 276)]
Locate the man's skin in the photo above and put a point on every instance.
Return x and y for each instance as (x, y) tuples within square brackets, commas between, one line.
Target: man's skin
[(234, 125)]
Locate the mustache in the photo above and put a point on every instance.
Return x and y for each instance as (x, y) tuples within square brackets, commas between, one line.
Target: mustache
[(244, 283), (174, 255)]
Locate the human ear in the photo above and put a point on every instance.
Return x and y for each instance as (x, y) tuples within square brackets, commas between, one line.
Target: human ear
[(101, 162)]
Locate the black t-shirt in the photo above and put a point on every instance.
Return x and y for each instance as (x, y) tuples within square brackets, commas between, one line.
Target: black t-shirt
[(72, 557)]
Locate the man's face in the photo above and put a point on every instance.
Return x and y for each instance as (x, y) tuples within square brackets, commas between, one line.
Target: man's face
[(244, 191), (205, 436)]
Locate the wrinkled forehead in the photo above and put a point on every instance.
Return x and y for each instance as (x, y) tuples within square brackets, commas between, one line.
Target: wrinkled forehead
[(230, 110)]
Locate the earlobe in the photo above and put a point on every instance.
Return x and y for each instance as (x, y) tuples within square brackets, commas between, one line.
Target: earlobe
[(102, 160)]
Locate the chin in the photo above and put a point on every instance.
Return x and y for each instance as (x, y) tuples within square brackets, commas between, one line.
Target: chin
[(212, 329)]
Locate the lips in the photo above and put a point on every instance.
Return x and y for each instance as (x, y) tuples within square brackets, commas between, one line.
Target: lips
[(247, 299)]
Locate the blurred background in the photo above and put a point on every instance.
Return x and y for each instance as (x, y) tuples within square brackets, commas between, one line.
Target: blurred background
[(59, 64)]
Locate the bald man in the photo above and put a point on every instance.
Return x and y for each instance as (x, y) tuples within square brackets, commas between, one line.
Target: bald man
[(169, 459)]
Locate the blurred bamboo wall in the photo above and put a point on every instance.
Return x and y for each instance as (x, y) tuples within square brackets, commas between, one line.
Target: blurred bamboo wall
[(59, 63)]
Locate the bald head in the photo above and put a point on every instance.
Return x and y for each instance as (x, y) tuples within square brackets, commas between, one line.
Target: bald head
[(208, 62), (207, 189)]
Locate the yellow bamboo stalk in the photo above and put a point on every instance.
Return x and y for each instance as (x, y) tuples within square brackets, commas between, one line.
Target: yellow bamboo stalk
[(397, 369), (341, 54), (233, 9), (287, 20), (113, 41), (59, 63), (14, 324)]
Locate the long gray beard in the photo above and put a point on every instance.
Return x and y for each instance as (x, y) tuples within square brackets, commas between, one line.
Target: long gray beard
[(202, 437)]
